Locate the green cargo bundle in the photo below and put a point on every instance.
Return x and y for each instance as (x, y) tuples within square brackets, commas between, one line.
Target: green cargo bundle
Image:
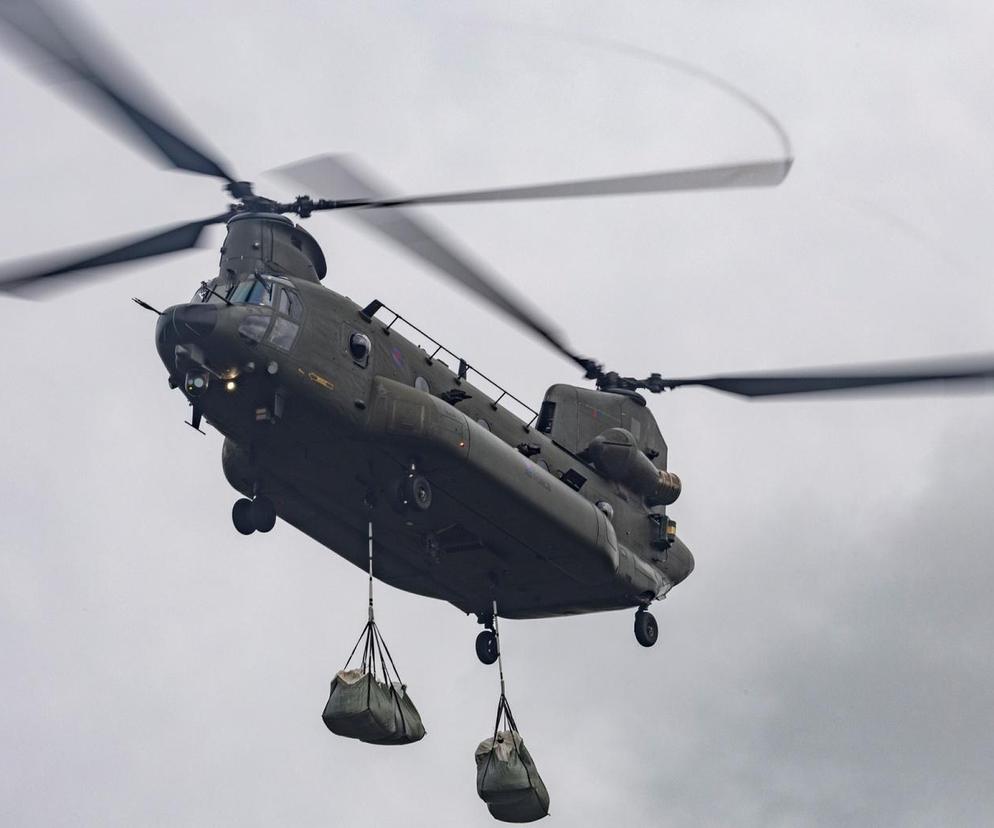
[(364, 708), (370, 702), (506, 776), (365, 704)]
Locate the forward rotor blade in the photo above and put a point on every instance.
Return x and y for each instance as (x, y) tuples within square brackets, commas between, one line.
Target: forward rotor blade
[(758, 174), (83, 57), (960, 371), (329, 175), (44, 274)]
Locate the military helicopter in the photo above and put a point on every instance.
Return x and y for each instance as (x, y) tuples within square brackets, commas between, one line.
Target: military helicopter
[(332, 417)]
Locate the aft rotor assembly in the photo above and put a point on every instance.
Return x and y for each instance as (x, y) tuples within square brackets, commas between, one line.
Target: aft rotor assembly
[(337, 183)]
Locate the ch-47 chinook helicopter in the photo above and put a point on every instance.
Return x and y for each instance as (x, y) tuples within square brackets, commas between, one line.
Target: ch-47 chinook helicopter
[(329, 413)]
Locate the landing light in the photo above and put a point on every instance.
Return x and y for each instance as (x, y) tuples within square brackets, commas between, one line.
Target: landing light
[(196, 383), (230, 385)]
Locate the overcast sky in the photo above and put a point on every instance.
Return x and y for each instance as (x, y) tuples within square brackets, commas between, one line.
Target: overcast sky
[(828, 663)]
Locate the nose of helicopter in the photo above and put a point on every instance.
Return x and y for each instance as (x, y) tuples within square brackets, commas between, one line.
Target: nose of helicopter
[(181, 325), (191, 322), (185, 323)]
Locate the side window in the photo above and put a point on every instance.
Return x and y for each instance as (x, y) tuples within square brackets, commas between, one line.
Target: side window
[(422, 384), (289, 304), (359, 348), (285, 329)]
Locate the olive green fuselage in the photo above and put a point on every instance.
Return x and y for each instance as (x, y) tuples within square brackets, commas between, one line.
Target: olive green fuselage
[(329, 433)]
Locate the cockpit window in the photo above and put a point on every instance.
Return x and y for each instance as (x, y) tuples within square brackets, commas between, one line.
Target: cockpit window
[(214, 292), (257, 291), (267, 291), (289, 304)]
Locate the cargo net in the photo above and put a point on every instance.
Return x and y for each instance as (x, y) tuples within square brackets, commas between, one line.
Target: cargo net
[(376, 658)]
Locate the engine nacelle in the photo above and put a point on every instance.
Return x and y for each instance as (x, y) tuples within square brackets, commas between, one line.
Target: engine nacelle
[(616, 455)]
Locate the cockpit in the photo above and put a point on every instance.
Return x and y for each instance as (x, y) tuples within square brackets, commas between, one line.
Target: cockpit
[(280, 306)]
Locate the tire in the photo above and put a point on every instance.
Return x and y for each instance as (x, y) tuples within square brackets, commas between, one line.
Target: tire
[(486, 647), (646, 628), (263, 514), (416, 493), (241, 516)]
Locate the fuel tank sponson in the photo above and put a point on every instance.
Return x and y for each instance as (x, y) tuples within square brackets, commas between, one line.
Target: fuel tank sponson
[(556, 522)]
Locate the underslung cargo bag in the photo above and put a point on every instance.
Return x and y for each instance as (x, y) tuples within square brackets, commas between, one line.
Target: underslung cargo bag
[(369, 702), (506, 776)]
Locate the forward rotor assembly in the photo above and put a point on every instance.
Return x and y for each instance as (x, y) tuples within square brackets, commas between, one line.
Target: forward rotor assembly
[(336, 183)]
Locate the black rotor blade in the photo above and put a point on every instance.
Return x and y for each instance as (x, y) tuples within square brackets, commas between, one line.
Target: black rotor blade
[(329, 175), (59, 35), (47, 273), (757, 174), (960, 371)]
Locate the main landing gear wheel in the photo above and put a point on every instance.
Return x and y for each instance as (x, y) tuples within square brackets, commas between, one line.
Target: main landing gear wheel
[(486, 647), (415, 493), (250, 516), (646, 628)]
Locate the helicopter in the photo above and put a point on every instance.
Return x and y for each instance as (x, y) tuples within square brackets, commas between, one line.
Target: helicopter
[(332, 418)]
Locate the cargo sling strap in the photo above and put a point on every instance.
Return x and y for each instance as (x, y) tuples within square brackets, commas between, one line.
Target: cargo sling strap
[(375, 653), (504, 715)]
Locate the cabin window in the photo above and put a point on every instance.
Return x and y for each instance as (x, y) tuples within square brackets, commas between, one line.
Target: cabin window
[(422, 384), (545, 417), (483, 424), (573, 479), (359, 347)]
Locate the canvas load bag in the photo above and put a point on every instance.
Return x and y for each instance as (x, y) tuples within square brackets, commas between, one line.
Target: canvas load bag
[(506, 776), (407, 725), (359, 707), (365, 704)]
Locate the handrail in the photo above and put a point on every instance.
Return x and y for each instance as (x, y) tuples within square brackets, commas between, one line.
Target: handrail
[(376, 305)]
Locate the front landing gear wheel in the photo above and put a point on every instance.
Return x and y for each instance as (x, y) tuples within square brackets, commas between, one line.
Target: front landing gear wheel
[(241, 516), (486, 647), (263, 514), (646, 628)]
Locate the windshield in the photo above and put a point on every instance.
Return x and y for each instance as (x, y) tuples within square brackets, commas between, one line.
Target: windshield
[(215, 292), (257, 291)]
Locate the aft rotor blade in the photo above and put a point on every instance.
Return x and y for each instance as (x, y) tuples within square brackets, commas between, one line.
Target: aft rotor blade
[(59, 35), (47, 273), (757, 174), (329, 175), (960, 371)]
